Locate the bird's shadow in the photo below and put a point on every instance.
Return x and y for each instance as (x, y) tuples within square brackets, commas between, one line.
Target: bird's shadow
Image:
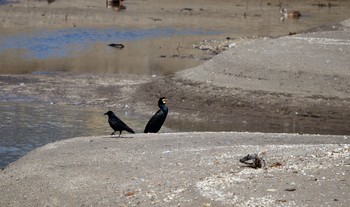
[(117, 137), (249, 166)]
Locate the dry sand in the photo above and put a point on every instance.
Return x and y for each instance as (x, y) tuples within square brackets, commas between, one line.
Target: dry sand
[(182, 169)]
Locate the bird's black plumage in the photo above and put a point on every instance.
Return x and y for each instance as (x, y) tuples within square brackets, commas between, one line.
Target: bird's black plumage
[(157, 120), (116, 45), (117, 124)]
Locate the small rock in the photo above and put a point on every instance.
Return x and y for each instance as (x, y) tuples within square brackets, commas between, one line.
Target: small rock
[(129, 193), (290, 189)]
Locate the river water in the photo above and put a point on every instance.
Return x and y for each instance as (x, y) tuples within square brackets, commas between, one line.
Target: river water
[(26, 124)]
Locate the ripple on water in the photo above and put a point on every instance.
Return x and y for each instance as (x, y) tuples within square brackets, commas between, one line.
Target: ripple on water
[(28, 125)]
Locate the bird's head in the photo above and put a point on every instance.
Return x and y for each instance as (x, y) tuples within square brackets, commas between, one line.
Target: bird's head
[(162, 101), (109, 113)]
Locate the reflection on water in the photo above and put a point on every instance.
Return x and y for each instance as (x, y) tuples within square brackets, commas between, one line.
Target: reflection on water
[(27, 125), (163, 50), (66, 42), (87, 50)]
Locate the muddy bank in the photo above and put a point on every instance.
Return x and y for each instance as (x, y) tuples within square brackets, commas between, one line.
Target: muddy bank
[(222, 15), (261, 111), (298, 82)]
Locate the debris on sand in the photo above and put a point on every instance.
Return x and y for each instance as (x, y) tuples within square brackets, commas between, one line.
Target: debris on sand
[(254, 161), (217, 46)]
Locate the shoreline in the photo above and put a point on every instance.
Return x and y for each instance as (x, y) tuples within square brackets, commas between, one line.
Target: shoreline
[(244, 86)]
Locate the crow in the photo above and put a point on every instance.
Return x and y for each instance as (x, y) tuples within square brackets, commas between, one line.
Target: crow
[(117, 124)]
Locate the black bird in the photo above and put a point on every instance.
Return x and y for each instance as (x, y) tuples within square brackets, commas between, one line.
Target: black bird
[(157, 120), (116, 45), (117, 124)]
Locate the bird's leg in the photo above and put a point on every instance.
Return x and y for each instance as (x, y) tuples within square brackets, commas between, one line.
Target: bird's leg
[(120, 132), (120, 5), (113, 133)]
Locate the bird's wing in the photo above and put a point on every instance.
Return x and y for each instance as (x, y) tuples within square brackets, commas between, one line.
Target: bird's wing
[(156, 122), (119, 125), (113, 122)]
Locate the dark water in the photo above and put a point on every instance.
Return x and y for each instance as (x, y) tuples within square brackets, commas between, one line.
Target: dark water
[(26, 124)]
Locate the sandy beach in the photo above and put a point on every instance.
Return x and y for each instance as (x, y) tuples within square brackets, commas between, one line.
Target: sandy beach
[(182, 169)]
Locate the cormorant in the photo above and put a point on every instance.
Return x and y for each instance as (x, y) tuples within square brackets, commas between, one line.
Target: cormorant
[(157, 120), (117, 124)]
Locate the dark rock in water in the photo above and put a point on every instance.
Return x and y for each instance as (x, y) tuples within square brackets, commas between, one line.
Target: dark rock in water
[(119, 46)]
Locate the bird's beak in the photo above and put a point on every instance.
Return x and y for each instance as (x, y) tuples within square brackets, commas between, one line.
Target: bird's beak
[(105, 114), (165, 100)]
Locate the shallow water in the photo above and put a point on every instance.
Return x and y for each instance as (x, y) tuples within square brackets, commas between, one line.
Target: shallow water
[(160, 50), (86, 50), (44, 44), (26, 124), (3, 2)]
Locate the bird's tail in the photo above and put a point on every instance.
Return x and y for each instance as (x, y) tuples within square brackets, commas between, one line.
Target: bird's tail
[(128, 129)]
